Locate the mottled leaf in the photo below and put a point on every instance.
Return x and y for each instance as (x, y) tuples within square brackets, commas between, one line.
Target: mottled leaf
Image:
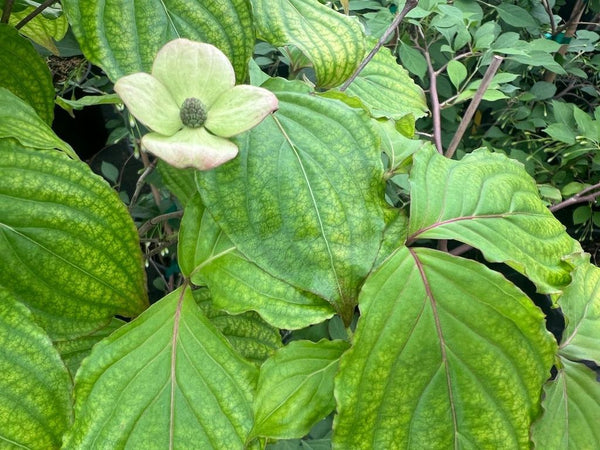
[(580, 303), (168, 378), (304, 199), (490, 202), (387, 88), (20, 122), (447, 354), (70, 249), (42, 30), (571, 410), (25, 73), (334, 43), (73, 351), (247, 333), (123, 37), (295, 388), (35, 388), (237, 285)]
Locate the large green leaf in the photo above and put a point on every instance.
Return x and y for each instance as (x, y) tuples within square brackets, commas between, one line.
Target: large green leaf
[(35, 388), (304, 199), (19, 121), (488, 201), (168, 379), (334, 43), (238, 285), (295, 388), (571, 410), (387, 88), (25, 73), (123, 37), (73, 351), (248, 334), (70, 250), (580, 304), (447, 354)]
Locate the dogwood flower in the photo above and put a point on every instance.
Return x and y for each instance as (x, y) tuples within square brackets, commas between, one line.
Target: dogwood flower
[(191, 104)]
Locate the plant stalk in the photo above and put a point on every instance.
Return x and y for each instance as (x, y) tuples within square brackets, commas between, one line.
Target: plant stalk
[(470, 112)]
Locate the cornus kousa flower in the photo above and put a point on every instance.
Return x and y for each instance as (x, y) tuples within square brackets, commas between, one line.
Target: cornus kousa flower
[(191, 104)]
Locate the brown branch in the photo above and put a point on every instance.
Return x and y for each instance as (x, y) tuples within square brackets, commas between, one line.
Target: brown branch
[(6, 11), (571, 28), (146, 226), (149, 167), (470, 112), (37, 11), (435, 103), (410, 4), (580, 197)]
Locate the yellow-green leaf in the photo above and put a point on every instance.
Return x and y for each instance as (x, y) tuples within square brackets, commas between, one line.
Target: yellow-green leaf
[(333, 42)]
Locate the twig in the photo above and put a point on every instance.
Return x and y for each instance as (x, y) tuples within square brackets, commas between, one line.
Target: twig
[(460, 249), (470, 112), (140, 183), (146, 226), (410, 4), (435, 101), (580, 197), (37, 11), (6, 11), (550, 15)]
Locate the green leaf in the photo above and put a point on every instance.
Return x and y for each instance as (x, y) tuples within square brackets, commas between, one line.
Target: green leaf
[(19, 121), (123, 37), (35, 388), (412, 60), (447, 354), (248, 334), (457, 72), (332, 41), (42, 30), (588, 127), (295, 388), (237, 285), (490, 202), (89, 100), (70, 249), (571, 410), (516, 16), (180, 182), (543, 90), (580, 303), (395, 145), (387, 89), (561, 132), (168, 378), (73, 351), (25, 73), (304, 199)]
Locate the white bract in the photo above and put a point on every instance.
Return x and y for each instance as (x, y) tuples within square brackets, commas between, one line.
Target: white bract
[(192, 105)]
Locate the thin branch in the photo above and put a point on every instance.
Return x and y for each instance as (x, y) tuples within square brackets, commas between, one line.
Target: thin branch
[(460, 249), (580, 197), (6, 11), (140, 183), (435, 103), (550, 15), (470, 112), (410, 4), (146, 226), (37, 11)]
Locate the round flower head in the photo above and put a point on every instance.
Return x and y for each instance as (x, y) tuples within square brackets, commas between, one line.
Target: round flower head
[(191, 104)]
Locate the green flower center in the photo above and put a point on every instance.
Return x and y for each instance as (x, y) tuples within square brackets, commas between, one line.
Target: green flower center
[(193, 113)]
